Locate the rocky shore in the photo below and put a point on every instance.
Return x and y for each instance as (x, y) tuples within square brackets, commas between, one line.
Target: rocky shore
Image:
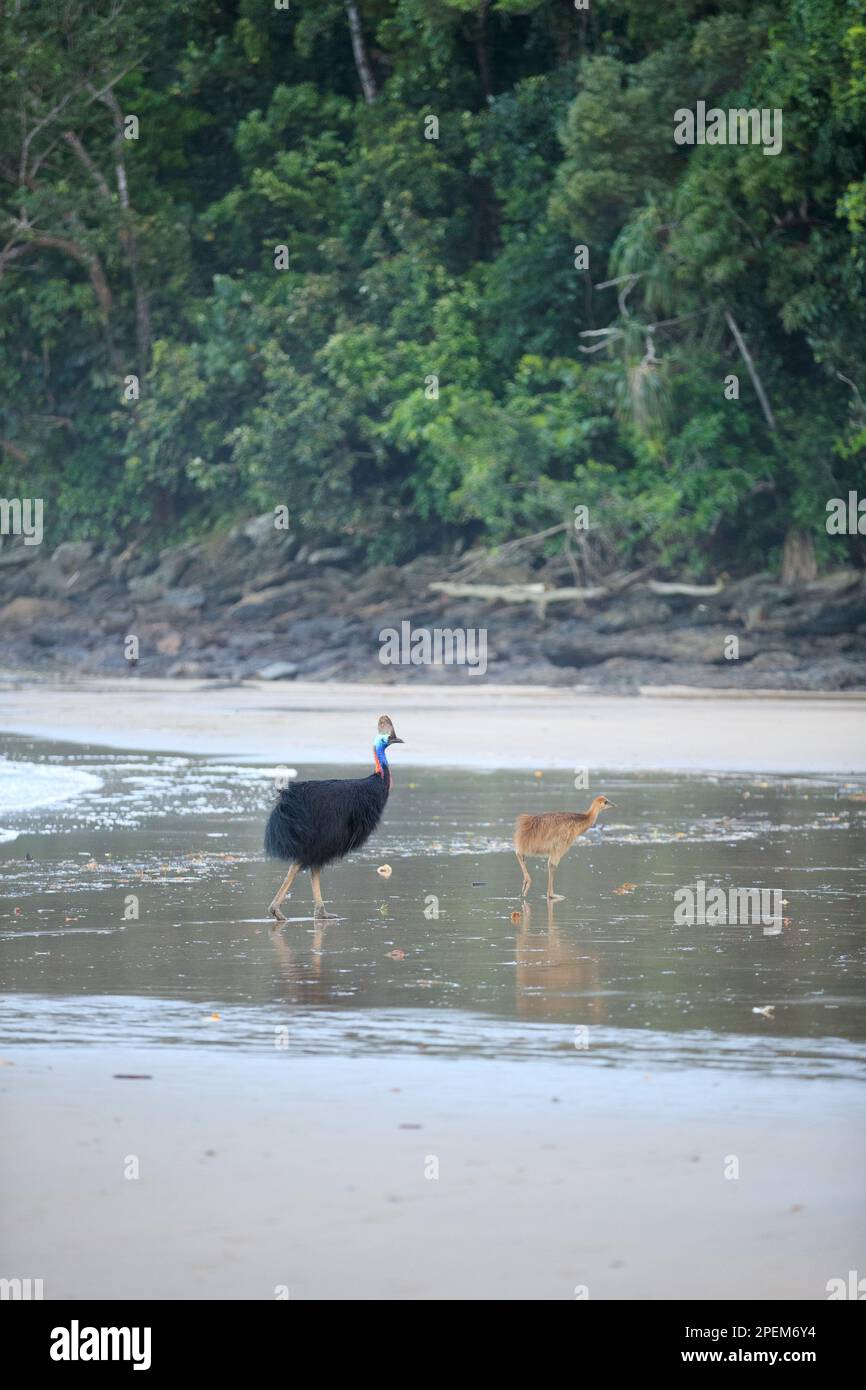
[(256, 603)]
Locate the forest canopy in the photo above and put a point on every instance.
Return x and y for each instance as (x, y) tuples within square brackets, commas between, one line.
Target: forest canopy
[(436, 271)]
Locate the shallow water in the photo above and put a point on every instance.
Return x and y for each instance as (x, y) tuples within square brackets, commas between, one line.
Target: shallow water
[(439, 957)]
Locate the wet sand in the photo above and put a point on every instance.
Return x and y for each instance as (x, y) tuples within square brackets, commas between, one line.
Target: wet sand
[(454, 725), (257, 1176), (410, 1039)]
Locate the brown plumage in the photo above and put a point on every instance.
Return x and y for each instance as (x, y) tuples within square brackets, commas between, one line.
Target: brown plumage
[(552, 834)]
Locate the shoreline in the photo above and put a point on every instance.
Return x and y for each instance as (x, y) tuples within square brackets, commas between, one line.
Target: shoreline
[(485, 728)]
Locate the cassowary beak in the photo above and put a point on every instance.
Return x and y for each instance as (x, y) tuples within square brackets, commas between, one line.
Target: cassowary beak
[(395, 739)]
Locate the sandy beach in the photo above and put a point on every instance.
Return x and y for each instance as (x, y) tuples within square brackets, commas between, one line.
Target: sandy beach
[(489, 727), (292, 1175), (394, 1105)]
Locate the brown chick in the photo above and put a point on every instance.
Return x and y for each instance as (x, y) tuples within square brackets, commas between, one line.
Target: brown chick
[(552, 834)]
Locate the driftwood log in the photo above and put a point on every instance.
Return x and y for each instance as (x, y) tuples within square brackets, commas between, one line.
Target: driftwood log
[(541, 596)]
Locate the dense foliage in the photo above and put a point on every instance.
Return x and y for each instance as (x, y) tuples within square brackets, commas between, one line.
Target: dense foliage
[(412, 258)]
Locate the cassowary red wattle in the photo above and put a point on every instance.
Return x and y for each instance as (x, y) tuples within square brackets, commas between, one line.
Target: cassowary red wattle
[(314, 823)]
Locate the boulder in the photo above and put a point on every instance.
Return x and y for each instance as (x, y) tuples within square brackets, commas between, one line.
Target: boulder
[(173, 563), (264, 604), (71, 555), (184, 600), (837, 582), (146, 586), (11, 556), (775, 661), (636, 612), (24, 612)]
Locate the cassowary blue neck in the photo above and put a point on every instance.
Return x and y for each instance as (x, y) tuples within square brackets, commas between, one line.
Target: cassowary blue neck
[(381, 759)]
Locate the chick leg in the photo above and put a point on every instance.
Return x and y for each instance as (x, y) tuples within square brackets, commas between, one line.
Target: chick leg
[(551, 868), (527, 881)]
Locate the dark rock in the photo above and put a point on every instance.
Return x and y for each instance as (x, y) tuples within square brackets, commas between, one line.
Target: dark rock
[(173, 564), (184, 599), (252, 604), (13, 556), (146, 586), (265, 604), (633, 612), (830, 618), (840, 581), (776, 661), (71, 555)]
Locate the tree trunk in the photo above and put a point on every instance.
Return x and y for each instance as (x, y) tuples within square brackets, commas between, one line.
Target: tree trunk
[(798, 558), (128, 239), (482, 51), (362, 62)]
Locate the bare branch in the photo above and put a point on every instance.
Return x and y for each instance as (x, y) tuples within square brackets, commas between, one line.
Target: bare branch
[(848, 382), (30, 135), (88, 259), (756, 382), (620, 280), (75, 144)]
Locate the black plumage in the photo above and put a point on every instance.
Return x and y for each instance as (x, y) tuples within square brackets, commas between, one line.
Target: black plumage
[(314, 823)]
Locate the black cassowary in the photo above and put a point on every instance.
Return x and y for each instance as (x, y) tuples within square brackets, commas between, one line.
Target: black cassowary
[(314, 823)]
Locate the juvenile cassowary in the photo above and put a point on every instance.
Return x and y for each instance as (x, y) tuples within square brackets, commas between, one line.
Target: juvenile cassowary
[(551, 835), (314, 823)]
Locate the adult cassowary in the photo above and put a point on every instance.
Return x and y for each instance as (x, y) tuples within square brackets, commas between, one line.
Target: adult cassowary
[(314, 823)]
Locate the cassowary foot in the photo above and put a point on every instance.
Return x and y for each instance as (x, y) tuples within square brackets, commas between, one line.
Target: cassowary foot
[(320, 912), (274, 911), (556, 897)]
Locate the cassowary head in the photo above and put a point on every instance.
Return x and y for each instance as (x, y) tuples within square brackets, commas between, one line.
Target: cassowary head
[(384, 738), (386, 732)]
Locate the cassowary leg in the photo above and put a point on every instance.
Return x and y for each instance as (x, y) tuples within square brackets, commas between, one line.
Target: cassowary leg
[(552, 897), (318, 900), (274, 909), (527, 881)]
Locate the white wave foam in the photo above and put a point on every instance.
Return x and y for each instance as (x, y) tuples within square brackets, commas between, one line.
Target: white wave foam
[(27, 785)]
